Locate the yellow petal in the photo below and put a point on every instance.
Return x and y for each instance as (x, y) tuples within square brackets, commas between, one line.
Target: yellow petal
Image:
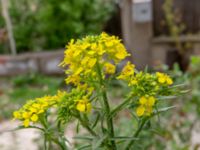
[(26, 123), (169, 81), (34, 118), (140, 111), (143, 100), (151, 101), (161, 80), (92, 62)]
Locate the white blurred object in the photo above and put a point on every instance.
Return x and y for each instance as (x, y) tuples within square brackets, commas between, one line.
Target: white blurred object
[(142, 11)]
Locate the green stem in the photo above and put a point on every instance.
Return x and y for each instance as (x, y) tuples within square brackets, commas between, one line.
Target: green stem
[(109, 120), (120, 106), (61, 136), (60, 144), (85, 125), (136, 134)]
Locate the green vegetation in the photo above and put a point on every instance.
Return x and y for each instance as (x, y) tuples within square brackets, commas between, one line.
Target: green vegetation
[(49, 24)]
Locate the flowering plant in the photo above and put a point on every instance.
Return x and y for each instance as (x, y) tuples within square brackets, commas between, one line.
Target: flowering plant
[(91, 64)]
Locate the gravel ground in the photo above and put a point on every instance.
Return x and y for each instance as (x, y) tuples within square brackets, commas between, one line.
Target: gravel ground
[(26, 139), (23, 139)]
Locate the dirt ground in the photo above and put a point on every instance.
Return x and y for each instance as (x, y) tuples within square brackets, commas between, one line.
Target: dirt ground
[(23, 139)]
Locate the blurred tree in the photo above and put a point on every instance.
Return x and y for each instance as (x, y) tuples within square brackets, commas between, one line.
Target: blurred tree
[(6, 16), (50, 24)]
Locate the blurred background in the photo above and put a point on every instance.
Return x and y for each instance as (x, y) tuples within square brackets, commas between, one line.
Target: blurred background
[(161, 34)]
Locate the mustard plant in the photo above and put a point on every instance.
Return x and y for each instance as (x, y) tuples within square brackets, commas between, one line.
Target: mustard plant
[(90, 64)]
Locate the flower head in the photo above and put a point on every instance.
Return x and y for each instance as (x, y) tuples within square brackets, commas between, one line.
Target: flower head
[(84, 56)]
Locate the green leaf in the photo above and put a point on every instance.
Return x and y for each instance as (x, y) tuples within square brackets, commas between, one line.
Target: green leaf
[(119, 107), (77, 127), (163, 110), (179, 85), (123, 138), (83, 138), (96, 120), (98, 141), (166, 97), (84, 147), (22, 127)]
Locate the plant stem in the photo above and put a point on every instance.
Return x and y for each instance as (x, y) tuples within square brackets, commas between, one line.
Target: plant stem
[(120, 106), (109, 120), (85, 125), (136, 134), (61, 136)]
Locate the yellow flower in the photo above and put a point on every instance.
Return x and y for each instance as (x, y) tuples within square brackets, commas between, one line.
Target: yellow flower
[(33, 108), (34, 118), (169, 81), (164, 78), (133, 82), (75, 79), (81, 57), (143, 100), (161, 79), (140, 111), (127, 71), (26, 123), (151, 101), (121, 54), (26, 115), (109, 68), (17, 115), (92, 62), (146, 106), (84, 106)]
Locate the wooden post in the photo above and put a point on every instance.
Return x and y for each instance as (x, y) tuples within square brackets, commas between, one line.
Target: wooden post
[(6, 16)]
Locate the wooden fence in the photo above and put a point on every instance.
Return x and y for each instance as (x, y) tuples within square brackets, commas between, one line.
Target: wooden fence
[(187, 12)]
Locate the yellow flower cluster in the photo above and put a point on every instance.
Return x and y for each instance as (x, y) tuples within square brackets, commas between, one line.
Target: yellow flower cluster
[(83, 57), (164, 79), (142, 83), (145, 107), (33, 108)]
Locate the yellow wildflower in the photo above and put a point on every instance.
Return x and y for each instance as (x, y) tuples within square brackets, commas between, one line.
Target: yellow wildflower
[(34, 118), (84, 106), (146, 106), (26, 123), (140, 111), (81, 57), (164, 78), (17, 115), (127, 71), (109, 68)]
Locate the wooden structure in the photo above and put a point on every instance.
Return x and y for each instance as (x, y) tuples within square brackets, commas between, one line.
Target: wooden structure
[(149, 41)]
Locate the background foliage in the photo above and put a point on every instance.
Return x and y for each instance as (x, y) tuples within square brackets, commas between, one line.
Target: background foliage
[(49, 24)]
